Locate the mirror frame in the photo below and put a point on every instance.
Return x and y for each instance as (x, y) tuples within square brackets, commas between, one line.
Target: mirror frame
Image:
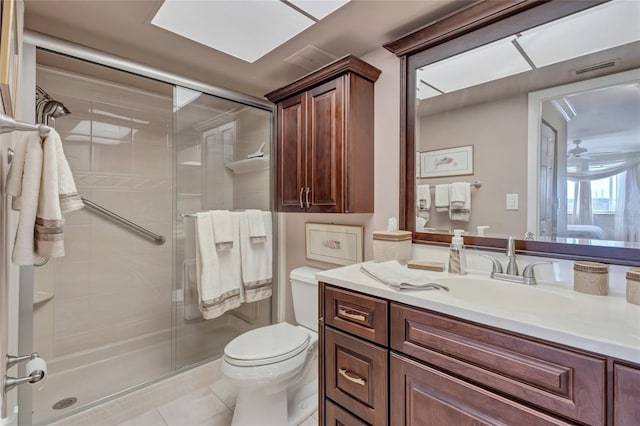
[(477, 24)]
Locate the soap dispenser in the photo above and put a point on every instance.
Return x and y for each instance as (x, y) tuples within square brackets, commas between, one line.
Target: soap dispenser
[(457, 256)]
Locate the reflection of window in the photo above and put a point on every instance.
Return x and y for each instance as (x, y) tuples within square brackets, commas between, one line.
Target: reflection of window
[(603, 195)]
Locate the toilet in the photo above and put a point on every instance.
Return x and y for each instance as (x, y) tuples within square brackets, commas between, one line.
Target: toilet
[(274, 367)]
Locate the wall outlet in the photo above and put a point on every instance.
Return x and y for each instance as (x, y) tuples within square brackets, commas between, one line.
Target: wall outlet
[(512, 201)]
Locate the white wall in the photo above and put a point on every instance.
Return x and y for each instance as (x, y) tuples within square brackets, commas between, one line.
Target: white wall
[(386, 181)]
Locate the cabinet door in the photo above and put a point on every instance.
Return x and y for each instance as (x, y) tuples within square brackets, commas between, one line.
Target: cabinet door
[(325, 156), (626, 395), (423, 396), (291, 153)]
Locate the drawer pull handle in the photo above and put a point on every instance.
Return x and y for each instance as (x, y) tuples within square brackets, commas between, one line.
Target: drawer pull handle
[(357, 317), (301, 192), (349, 375)]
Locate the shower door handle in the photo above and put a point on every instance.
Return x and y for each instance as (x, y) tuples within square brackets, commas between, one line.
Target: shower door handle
[(301, 191), (307, 196)]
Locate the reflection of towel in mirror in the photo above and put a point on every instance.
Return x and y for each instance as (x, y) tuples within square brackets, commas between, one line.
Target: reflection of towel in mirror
[(442, 198), (460, 201)]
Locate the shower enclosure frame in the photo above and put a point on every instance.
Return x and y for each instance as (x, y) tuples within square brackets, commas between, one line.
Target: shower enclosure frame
[(31, 42)]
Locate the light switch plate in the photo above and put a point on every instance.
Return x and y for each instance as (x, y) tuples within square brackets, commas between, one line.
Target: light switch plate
[(512, 201)]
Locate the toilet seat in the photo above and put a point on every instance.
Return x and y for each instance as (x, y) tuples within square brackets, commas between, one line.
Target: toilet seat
[(267, 345)]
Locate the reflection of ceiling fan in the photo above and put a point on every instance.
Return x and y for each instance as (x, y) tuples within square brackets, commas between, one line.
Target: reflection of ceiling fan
[(576, 151)]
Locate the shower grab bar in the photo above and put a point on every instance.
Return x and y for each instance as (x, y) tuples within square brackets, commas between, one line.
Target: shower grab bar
[(8, 125), (156, 238)]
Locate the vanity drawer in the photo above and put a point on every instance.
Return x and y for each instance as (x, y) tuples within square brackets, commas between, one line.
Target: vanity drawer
[(336, 416), (356, 376), (364, 316), (568, 383), (424, 396)]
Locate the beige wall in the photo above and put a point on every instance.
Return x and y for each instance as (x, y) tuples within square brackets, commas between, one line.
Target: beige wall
[(387, 131), (498, 132)]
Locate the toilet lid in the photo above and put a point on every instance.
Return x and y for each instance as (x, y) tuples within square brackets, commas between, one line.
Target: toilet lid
[(272, 343)]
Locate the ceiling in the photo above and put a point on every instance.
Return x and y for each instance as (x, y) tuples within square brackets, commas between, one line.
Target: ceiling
[(124, 28)]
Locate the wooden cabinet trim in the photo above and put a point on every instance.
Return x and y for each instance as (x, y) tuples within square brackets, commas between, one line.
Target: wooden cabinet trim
[(348, 63)]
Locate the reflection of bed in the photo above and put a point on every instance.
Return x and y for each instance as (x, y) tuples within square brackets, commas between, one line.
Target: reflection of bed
[(592, 232)]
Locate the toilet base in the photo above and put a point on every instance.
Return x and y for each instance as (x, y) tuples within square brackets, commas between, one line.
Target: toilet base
[(276, 409), (257, 408)]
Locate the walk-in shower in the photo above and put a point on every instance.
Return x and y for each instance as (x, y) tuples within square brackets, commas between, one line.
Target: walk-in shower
[(113, 314)]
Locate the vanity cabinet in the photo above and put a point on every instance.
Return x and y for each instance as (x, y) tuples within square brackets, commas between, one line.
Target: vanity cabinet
[(324, 140), (386, 363), (626, 395)]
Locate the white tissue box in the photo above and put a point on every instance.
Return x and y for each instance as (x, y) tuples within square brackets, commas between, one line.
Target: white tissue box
[(392, 245)]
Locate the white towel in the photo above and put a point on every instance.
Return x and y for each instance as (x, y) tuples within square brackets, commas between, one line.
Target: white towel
[(257, 265), (222, 231), (218, 273), (460, 202), (442, 198), (257, 229), (23, 184), (40, 178), (424, 197), (399, 277)]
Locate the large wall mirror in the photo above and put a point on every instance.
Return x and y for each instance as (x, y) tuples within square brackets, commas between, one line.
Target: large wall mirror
[(526, 116)]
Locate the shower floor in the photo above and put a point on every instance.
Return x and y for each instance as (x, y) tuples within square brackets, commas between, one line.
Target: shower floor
[(112, 370)]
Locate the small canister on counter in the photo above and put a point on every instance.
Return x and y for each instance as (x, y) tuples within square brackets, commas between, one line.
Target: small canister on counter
[(390, 245), (591, 278), (633, 287)]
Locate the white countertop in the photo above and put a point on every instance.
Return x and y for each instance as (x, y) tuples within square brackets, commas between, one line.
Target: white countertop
[(603, 324)]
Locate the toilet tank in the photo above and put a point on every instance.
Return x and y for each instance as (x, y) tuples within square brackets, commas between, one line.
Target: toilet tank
[(304, 289)]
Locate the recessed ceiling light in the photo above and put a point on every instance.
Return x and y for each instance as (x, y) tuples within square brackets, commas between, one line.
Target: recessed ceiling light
[(246, 29)]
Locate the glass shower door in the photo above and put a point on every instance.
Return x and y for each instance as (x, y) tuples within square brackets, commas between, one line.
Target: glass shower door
[(102, 313), (214, 138)]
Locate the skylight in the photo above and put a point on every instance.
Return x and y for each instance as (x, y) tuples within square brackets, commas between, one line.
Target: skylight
[(247, 29)]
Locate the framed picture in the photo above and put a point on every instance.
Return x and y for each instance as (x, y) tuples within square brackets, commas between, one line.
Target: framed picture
[(8, 56), (447, 162), (338, 244)]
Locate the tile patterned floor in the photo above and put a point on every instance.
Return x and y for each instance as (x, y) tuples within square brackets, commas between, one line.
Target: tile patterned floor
[(207, 401)]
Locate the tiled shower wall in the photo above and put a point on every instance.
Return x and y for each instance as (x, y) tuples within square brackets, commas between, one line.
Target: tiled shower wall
[(112, 285)]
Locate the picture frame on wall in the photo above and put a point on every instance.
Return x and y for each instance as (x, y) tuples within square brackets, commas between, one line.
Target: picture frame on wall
[(8, 56), (337, 244), (447, 162)]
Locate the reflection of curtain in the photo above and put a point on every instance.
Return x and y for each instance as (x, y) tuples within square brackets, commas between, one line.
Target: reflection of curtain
[(627, 226), (582, 211), (584, 174)]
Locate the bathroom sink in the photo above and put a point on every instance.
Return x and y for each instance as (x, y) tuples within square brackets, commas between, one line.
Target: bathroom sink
[(484, 292)]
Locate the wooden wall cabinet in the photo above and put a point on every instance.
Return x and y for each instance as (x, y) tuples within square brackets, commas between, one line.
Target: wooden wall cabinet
[(447, 371), (324, 140)]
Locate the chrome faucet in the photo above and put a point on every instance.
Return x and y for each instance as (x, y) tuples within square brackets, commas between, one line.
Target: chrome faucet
[(512, 274)]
